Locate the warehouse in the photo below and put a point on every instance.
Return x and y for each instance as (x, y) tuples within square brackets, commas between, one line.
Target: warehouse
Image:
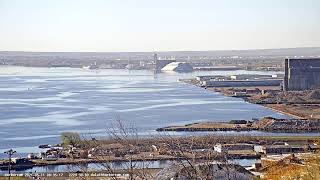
[(301, 74)]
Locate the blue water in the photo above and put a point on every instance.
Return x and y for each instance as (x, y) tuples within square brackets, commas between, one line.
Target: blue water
[(37, 104)]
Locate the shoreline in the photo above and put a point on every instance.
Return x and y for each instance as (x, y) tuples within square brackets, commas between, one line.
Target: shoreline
[(282, 112), (267, 124), (274, 125), (191, 82)]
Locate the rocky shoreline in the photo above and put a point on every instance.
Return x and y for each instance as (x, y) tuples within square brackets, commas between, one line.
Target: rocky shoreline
[(267, 124)]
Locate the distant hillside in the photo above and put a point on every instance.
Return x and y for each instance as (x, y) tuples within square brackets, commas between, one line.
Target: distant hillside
[(259, 59), (311, 51)]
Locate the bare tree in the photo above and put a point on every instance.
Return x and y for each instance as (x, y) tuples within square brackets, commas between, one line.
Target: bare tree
[(193, 155)]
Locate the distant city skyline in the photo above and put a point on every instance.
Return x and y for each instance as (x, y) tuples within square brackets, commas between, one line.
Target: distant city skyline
[(166, 25)]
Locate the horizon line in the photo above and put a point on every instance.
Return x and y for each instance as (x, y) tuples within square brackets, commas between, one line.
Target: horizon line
[(23, 51)]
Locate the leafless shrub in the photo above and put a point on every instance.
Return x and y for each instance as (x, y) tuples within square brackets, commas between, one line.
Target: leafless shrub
[(123, 144)]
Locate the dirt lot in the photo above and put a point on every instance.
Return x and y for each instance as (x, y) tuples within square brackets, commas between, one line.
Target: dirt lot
[(299, 104), (304, 111)]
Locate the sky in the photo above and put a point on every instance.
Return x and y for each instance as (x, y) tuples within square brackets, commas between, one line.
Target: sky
[(157, 25)]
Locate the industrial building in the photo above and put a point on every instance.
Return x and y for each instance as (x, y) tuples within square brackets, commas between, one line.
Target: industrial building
[(301, 74), (162, 63), (159, 64), (212, 78), (240, 80), (221, 148), (254, 76), (287, 149), (178, 67), (216, 68), (235, 83)]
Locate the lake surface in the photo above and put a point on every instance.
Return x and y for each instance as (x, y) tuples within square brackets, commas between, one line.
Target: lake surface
[(37, 104)]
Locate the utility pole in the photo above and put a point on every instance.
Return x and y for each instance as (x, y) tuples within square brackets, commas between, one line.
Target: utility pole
[(10, 152)]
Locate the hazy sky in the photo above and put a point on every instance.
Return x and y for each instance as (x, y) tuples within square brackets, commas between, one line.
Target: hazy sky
[(157, 25)]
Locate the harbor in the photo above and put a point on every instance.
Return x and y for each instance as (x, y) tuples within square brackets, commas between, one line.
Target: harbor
[(159, 90), (257, 132), (56, 100)]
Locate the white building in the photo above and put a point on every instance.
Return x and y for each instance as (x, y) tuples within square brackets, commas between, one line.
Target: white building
[(233, 147), (178, 67)]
